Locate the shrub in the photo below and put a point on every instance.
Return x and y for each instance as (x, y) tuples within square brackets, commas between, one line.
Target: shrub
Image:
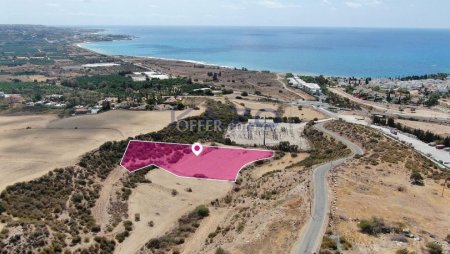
[(328, 243), (373, 226), (96, 228), (448, 238), (154, 244), (202, 211), (76, 239), (174, 192), (244, 94), (137, 217), (402, 251), (345, 244), (2, 208), (434, 248), (128, 225), (121, 236), (416, 178), (221, 251)]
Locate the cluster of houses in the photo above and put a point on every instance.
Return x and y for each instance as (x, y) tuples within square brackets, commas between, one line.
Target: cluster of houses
[(311, 88), (414, 92), (430, 85), (57, 101), (53, 100), (169, 103), (83, 110), (11, 98)]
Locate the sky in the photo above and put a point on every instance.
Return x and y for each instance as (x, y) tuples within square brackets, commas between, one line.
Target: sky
[(301, 13)]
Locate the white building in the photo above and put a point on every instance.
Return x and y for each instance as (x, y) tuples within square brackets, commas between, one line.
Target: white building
[(310, 88), (142, 76), (138, 77)]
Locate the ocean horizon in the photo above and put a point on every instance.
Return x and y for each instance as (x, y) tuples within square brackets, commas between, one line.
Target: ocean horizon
[(359, 52)]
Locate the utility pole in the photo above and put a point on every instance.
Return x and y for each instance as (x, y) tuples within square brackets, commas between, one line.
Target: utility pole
[(264, 132), (309, 191)]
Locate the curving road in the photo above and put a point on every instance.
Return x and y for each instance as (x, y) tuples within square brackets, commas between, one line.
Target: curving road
[(311, 236)]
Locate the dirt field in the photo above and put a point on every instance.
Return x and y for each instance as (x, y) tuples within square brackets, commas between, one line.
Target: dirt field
[(238, 80), (248, 221), (378, 185), (420, 208), (51, 143), (306, 113), (392, 108), (440, 129), (283, 162), (155, 202), (269, 109)]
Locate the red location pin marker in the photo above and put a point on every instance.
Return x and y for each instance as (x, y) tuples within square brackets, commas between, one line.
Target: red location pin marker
[(197, 148)]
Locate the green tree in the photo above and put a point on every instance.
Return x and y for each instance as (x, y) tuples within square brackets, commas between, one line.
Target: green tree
[(416, 178), (180, 106), (432, 100)]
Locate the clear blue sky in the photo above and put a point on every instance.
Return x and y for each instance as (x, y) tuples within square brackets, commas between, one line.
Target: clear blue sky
[(330, 13)]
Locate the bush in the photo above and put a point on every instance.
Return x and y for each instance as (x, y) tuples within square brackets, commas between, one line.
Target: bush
[(448, 238), (434, 248), (154, 244), (373, 226), (346, 245), (2, 208), (328, 243), (202, 211), (96, 229), (121, 236), (402, 251), (244, 94), (128, 225), (416, 178), (221, 251)]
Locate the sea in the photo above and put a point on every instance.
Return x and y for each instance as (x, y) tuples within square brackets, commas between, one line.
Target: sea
[(345, 52)]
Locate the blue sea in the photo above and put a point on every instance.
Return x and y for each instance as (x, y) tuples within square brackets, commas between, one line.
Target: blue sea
[(360, 52)]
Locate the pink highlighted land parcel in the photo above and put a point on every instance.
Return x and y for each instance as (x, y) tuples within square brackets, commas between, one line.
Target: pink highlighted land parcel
[(218, 163)]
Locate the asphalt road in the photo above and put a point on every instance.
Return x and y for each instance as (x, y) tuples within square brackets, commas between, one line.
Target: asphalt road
[(311, 237)]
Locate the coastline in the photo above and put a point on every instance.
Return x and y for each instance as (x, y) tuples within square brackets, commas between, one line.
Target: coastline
[(196, 62), (281, 64), (244, 48), (155, 58)]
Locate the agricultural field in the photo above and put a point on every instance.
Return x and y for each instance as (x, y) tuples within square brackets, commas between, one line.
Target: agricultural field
[(33, 145)]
